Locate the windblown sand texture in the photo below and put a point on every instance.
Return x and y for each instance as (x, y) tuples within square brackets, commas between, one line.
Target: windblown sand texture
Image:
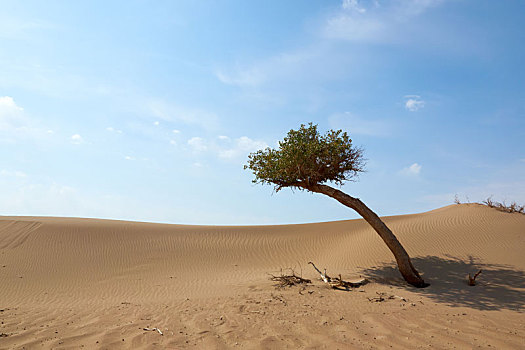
[(68, 283)]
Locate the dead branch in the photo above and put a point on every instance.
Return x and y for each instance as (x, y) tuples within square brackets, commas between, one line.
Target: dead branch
[(324, 277), (472, 280), (292, 279), (154, 330), (382, 296), (338, 282)]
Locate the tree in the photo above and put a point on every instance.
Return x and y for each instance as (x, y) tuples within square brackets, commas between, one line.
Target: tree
[(307, 160)]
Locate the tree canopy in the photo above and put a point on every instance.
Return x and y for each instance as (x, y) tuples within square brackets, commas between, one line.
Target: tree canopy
[(306, 158)]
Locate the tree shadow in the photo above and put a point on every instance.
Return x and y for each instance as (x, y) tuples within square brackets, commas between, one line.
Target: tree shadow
[(498, 287)]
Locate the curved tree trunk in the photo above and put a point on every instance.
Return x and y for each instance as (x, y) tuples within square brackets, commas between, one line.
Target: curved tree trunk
[(403, 260)]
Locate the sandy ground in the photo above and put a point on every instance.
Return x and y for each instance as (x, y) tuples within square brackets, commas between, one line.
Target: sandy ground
[(68, 283)]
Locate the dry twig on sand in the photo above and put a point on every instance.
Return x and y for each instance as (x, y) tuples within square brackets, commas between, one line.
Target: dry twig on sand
[(154, 330), (472, 280), (381, 296), (289, 280), (338, 282)]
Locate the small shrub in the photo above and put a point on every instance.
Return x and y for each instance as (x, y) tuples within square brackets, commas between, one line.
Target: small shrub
[(288, 280), (507, 208)]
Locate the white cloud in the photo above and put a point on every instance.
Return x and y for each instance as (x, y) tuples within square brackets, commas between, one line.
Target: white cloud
[(243, 146), (245, 143), (16, 125), (156, 123), (9, 103), (412, 170), (112, 129), (77, 139), (354, 124), (11, 115), (198, 144), (175, 131), (414, 103), (224, 147), (352, 5)]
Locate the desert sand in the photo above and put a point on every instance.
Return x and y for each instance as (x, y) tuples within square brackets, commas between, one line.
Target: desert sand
[(69, 283)]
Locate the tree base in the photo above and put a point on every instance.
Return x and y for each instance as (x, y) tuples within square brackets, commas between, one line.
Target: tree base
[(420, 285)]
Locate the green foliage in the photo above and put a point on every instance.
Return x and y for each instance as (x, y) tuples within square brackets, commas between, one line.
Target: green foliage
[(306, 158)]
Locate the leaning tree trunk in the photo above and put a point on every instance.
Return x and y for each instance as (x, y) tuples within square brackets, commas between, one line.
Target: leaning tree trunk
[(403, 260)]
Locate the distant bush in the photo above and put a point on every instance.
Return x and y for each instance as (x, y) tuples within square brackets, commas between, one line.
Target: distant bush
[(508, 208), (489, 202)]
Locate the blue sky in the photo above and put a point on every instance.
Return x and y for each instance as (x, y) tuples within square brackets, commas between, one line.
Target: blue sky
[(146, 111)]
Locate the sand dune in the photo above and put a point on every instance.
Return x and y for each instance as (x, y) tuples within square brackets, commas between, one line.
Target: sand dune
[(68, 282)]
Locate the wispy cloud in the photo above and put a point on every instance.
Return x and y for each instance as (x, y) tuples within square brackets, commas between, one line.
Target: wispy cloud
[(369, 22), (226, 148), (16, 28), (355, 124), (171, 112), (380, 21), (241, 147), (284, 64), (414, 103), (112, 129), (355, 26), (197, 144), (241, 76), (13, 173), (352, 5)]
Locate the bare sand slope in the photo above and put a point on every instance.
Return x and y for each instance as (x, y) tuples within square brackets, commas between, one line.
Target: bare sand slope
[(70, 283)]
